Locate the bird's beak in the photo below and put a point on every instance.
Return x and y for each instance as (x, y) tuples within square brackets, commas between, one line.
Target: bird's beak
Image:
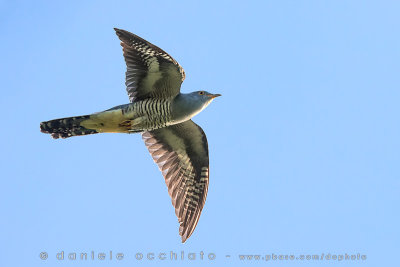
[(214, 96)]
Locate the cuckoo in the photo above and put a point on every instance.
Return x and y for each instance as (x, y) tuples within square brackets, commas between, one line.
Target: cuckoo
[(162, 114)]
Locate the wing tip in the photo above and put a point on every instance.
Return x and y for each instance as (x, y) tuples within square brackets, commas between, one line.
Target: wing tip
[(118, 31), (186, 232), (125, 36), (184, 237), (121, 33)]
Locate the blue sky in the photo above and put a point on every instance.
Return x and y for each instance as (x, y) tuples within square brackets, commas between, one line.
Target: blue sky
[(304, 143)]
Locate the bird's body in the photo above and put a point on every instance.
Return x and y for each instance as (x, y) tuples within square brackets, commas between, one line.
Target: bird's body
[(140, 116), (163, 115)]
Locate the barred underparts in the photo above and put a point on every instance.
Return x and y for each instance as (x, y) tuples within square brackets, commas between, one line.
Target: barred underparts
[(140, 116)]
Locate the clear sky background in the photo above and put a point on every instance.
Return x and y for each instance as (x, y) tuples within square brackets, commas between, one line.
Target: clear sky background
[(304, 142)]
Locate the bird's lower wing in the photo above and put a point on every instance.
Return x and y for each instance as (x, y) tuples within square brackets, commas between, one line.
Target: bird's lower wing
[(181, 153)]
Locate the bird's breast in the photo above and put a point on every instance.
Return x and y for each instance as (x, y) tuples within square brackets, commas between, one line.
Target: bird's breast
[(150, 114)]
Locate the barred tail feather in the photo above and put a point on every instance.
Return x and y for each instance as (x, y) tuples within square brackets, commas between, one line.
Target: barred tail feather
[(66, 127)]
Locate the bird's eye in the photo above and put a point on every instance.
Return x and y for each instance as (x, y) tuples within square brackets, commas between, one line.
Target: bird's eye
[(201, 93)]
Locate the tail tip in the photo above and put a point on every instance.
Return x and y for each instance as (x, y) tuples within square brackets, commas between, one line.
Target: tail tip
[(44, 128), (56, 135)]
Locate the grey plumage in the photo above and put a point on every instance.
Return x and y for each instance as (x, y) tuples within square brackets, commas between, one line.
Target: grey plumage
[(163, 115)]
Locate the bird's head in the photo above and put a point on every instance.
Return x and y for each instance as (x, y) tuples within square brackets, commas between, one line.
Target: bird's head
[(203, 97), (192, 103)]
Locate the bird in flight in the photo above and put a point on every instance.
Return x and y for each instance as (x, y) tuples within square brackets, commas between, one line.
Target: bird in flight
[(162, 114)]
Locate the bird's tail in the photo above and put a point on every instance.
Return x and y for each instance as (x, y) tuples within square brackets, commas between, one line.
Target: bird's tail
[(109, 121), (67, 127)]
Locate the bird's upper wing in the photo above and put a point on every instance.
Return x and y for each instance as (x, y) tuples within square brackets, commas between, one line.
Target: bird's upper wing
[(181, 153), (151, 72)]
